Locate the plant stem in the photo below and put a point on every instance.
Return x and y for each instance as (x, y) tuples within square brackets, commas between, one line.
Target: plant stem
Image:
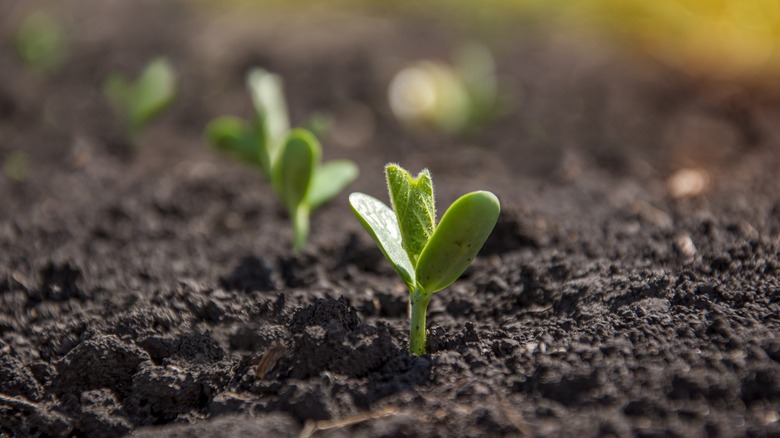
[(420, 301), (300, 221)]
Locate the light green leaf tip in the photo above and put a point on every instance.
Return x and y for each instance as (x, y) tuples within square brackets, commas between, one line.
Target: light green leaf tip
[(153, 92), (380, 222), (330, 179), (463, 230), (267, 92), (413, 202)]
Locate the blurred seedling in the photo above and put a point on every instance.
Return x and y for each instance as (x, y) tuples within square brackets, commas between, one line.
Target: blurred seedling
[(450, 98), (258, 141), (41, 42), (290, 159), (140, 101), (427, 257), (16, 166)]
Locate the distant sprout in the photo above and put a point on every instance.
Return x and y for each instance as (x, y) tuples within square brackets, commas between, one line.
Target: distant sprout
[(256, 142), (447, 98), (267, 92), (290, 159), (427, 257), (477, 68), (42, 42), (16, 166), (140, 101)]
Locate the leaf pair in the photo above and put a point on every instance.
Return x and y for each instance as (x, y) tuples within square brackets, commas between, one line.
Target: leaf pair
[(291, 160), (427, 257), (142, 100)]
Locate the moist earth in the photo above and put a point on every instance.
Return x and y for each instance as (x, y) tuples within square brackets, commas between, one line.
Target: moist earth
[(153, 291)]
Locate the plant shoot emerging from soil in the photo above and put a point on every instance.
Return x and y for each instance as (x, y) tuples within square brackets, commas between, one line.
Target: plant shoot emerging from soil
[(290, 159), (427, 257), (449, 98), (41, 42), (140, 101)]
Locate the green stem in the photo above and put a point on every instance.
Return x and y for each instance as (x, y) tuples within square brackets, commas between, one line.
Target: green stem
[(300, 221), (420, 302)]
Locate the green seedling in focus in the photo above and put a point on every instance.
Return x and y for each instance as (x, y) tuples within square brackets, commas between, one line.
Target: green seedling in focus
[(290, 159), (140, 101), (42, 42), (451, 98), (427, 257)]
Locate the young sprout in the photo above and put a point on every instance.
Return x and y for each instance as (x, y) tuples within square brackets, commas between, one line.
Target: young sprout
[(256, 143), (42, 42), (303, 183), (290, 159), (447, 98), (140, 101), (427, 257)]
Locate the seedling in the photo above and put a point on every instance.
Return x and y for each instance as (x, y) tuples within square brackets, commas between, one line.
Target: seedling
[(140, 101), (256, 143), (290, 159), (427, 257), (449, 98), (42, 42), (303, 183)]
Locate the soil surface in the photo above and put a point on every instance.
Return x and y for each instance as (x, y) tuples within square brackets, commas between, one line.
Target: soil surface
[(154, 291)]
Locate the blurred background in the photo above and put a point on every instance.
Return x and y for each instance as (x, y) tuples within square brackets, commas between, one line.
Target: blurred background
[(629, 86), (723, 39)]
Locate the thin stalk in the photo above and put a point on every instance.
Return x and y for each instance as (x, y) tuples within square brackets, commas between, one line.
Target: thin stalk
[(420, 301), (300, 221)]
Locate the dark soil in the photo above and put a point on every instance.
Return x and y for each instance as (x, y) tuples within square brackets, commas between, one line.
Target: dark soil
[(155, 292)]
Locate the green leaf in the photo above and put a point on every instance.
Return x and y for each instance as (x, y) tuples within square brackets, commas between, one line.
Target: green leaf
[(413, 202), (329, 180), (293, 171), (267, 92), (233, 136), (460, 235), (42, 42), (153, 92), (227, 134), (380, 222)]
